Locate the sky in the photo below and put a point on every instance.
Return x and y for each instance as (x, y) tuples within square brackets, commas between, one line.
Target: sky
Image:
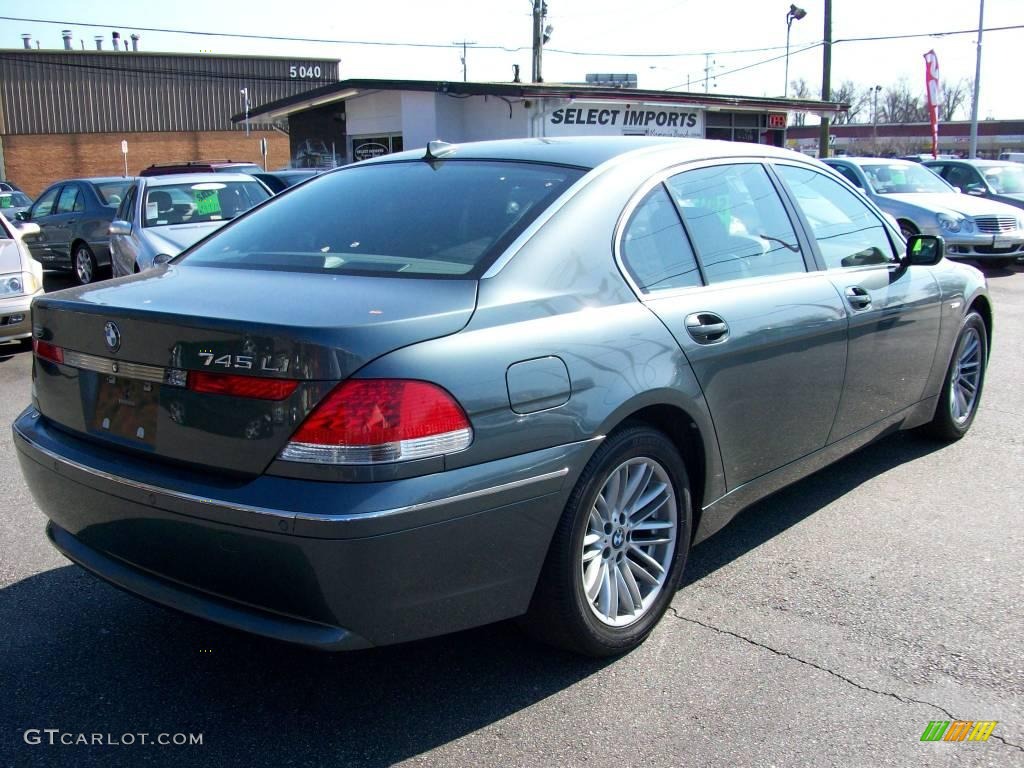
[(605, 27)]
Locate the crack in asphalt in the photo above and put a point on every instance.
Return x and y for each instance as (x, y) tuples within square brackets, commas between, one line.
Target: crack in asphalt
[(848, 681)]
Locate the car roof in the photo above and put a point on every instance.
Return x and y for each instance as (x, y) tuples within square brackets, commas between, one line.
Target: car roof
[(96, 180), (968, 161), (194, 178), (871, 160), (589, 151)]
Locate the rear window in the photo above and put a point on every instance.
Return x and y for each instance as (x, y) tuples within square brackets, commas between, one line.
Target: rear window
[(408, 219), (111, 193)]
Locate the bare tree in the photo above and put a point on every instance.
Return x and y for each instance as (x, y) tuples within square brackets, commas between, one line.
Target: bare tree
[(849, 93), (954, 96), (900, 105), (800, 90)]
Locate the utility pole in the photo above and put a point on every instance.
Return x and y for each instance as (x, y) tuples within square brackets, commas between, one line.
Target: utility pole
[(826, 79), (464, 43), (540, 11), (973, 151), (709, 65)]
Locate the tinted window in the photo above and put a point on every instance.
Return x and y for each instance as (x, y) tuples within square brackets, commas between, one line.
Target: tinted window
[(847, 173), (848, 232), (68, 199), (962, 176), (44, 205), (446, 218), (126, 211), (187, 203), (111, 193), (737, 222), (654, 247)]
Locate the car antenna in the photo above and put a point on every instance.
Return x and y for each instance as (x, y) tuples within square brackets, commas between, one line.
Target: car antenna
[(436, 150)]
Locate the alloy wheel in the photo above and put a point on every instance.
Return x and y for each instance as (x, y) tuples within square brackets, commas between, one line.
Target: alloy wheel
[(630, 541), (83, 266), (963, 394)]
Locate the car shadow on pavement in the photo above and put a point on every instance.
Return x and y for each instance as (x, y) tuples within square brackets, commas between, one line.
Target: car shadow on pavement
[(998, 272), (81, 656), (773, 515)]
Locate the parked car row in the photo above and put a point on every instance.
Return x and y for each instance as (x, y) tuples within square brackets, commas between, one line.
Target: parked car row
[(922, 201), (21, 280), (129, 224)]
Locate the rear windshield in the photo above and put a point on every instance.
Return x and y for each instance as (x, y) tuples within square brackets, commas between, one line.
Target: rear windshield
[(111, 193), (442, 219), (170, 204)]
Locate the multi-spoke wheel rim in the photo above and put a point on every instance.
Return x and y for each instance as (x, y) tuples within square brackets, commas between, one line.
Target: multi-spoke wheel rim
[(963, 393), (83, 265), (630, 541)]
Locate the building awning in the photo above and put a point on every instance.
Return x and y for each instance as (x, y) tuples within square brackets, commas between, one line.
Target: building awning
[(346, 89)]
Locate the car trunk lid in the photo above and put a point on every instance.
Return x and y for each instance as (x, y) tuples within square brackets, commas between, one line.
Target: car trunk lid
[(130, 346)]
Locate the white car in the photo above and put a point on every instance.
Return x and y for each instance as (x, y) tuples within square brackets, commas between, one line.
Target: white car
[(161, 216), (21, 280)]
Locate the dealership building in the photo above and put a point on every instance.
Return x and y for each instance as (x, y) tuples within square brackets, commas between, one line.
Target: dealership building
[(362, 118), (65, 112)]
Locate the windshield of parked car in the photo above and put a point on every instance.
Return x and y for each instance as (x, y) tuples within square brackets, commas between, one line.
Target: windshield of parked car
[(190, 203), (14, 200), (898, 178), (447, 218), (111, 193), (1005, 179)]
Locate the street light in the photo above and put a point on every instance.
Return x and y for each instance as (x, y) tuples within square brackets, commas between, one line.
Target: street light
[(792, 14)]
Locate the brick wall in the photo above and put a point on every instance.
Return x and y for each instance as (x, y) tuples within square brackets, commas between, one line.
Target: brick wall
[(34, 162)]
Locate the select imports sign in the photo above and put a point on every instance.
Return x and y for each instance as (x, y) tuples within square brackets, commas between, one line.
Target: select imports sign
[(582, 118)]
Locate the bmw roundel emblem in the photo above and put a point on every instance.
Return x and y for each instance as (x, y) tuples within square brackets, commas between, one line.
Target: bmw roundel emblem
[(112, 335)]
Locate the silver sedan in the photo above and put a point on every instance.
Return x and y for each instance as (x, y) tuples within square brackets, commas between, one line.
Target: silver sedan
[(161, 216), (923, 203)]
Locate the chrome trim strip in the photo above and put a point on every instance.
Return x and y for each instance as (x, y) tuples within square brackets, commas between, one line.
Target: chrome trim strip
[(111, 367), (348, 517)]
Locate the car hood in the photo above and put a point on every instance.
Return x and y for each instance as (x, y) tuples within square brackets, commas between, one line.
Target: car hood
[(175, 238), (952, 203)]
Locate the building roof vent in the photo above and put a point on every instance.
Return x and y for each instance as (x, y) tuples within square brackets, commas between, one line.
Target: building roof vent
[(66, 34)]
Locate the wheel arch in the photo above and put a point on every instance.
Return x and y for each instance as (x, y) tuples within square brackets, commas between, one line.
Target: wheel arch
[(983, 307), (686, 435)]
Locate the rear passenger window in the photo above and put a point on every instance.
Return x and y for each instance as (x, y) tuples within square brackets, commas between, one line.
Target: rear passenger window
[(737, 222), (848, 232), (68, 199), (654, 247)]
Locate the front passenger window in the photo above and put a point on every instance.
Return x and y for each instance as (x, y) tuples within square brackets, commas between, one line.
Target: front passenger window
[(849, 234), (44, 205)]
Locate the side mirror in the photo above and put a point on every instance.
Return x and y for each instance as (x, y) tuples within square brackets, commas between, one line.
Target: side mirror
[(924, 250), (976, 191), (118, 227), (28, 228), (21, 216)]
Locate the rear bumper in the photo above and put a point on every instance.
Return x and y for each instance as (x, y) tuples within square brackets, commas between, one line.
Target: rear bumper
[(344, 566)]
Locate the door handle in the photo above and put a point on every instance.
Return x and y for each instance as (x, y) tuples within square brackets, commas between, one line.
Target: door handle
[(706, 327), (857, 297)]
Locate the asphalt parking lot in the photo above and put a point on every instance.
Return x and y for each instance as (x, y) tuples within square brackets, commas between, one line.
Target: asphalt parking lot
[(826, 626)]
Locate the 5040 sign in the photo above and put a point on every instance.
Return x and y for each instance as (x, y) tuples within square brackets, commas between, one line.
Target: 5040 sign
[(301, 70)]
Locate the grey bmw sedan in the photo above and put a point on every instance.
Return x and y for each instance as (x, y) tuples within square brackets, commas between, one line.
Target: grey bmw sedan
[(509, 379)]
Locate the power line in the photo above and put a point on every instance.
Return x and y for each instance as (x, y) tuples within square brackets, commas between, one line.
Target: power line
[(745, 67), (491, 46)]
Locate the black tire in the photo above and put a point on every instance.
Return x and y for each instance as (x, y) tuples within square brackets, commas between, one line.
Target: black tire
[(560, 613), (83, 264), (907, 229), (944, 425)]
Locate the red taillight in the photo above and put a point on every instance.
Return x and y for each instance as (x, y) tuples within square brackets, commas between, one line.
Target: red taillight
[(367, 421), (240, 386), (48, 351)]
